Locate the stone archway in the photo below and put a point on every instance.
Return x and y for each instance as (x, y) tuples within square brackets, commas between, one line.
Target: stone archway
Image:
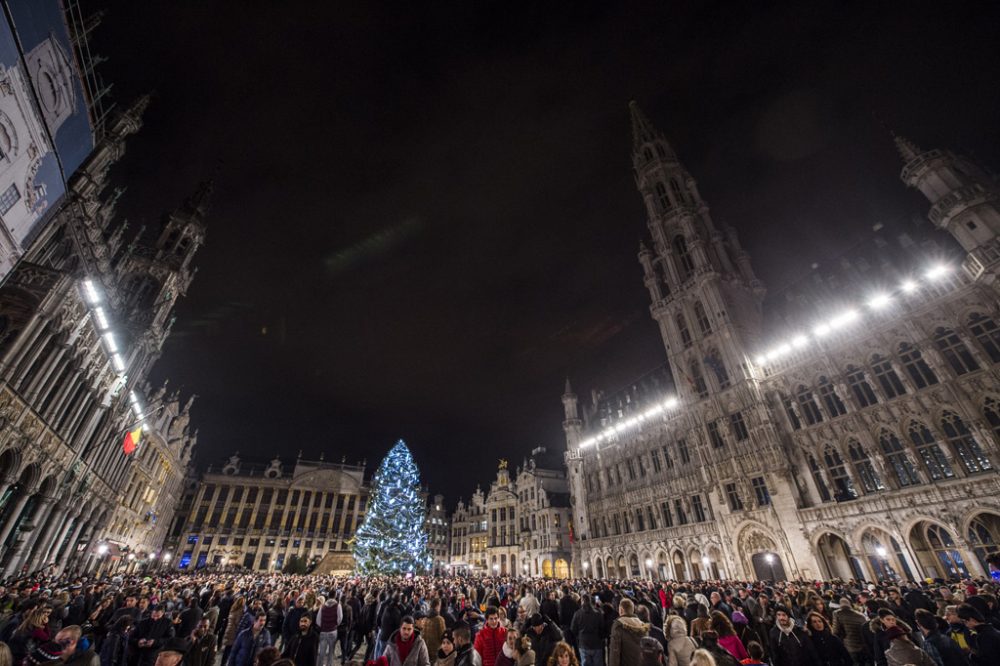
[(547, 568), (983, 535), (884, 555), (599, 567), (562, 568), (680, 571), (662, 566), (622, 570), (611, 571), (836, 559), (937, 554), (694, 561), (759, 551)]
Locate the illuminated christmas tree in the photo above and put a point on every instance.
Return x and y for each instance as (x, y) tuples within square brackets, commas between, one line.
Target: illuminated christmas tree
[(393, 537)]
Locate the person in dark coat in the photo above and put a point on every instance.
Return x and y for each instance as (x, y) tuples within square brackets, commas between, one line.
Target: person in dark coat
[(984, 639), (190, 617), (940, 647), (203, 648), (249, 642), (588, 627), (303, 646), (150, 635), (790, 645), (568, 606), (830, 648), (114, 649), (290, 625), (543, 634)]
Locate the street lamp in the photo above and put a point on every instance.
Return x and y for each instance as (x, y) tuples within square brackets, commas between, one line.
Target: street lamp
[(706, 562), (496, 569), (102, 549), (649, 567), (769, 558), (883, 555), (586, 565)]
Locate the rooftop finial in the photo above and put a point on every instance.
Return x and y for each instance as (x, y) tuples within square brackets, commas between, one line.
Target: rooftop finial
[(907, 149)]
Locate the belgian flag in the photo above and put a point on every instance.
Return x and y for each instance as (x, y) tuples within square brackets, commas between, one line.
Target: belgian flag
[(131, 442)]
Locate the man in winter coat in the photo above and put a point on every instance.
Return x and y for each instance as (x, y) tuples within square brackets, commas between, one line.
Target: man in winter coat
[(626, 632), (465, 655), (202, 652), (588, 627), (405, 647), (303, 646), (984, 639), (327, 622), (434, 628), (490, 639), (941, 648), (290, 626), (568, 606), (543, 635), (790, 645), (149, 635), (345, 628), (249, 642), (902, 652), (848, 624)]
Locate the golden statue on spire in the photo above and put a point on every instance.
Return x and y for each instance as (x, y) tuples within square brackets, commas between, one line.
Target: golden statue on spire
[(503, 463)]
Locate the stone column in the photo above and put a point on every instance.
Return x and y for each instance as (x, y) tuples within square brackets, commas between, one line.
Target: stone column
[(8, 527), (55, 520), (54, 546), (23, 553), (74, 535)]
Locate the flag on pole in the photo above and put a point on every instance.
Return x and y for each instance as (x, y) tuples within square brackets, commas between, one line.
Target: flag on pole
[(132, 440)]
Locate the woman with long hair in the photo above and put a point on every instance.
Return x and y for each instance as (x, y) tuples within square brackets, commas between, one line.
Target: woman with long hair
[(702, 622), (229, 637), (32, 632), (727, 636), (563, 655)]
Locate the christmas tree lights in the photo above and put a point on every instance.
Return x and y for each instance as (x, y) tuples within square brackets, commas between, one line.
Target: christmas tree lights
[(393, 537)]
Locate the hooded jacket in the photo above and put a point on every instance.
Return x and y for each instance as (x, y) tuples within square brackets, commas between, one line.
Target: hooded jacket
[(905, 653), (680, 646), (330, 616), (418, 651), (626, 633)]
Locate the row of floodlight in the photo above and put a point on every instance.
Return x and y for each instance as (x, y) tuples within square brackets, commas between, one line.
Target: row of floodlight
[(94, 298), (651, 413), (877, 302)]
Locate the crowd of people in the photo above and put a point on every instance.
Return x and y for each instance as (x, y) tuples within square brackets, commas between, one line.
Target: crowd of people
[(256, 619)]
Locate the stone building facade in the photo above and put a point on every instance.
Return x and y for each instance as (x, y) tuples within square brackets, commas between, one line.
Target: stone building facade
[(259, 516), (521, 526), (851, 433), (438, 534), (83, 318), (469, 535)]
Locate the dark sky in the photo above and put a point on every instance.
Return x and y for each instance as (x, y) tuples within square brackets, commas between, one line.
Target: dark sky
[(425, 218)]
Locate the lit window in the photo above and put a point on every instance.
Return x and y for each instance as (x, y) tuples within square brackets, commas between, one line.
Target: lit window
[(932, 455), (895, 456), (870, 480), (843, 486), (965, 446)]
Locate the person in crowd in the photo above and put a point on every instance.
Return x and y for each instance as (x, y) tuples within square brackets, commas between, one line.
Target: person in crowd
[(829, 648), (941, 648), (203, 645), (984, 639), (702, 658), (562, 655), (490, 639), (848, 626), (76, 650), (405, 647), (587, 626), (702, 620), (149, 635), (172, 653), (789, 644), (756, 652), (543, 634), (304, 646), (446, 650), (465, 654), (114, 649), (434, 627), (902, 652), (233, 618), (249, 642), (328, 621), (680, 646), (626, 633), (710, 643), (727, 637)]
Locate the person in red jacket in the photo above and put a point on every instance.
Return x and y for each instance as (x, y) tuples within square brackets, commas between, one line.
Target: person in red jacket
[(490, 639)]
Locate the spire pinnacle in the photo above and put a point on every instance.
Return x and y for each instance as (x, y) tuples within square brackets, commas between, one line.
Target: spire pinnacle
[(642, 130), (907, 149), (569, 389)]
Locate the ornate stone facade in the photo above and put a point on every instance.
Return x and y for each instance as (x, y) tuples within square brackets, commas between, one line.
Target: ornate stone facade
[(259, 516), (83, 318), (862, 444)]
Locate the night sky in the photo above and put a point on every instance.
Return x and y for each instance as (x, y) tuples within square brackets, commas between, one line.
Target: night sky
[(425, 219)]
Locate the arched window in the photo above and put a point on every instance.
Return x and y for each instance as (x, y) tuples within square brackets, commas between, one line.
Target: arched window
[(984, 537), (793, 418), (702, 317), (895, 458), (929, 451), (824, 492), (864, 395), (944, 549), (991, 410), (965, 446), (659, 151), (886, 377), (661, 196), (843, 487), (834, 405), (987, 334), (647, 153), (916, 366), (679, 195), (954, 351), (698, 380), (685, 265), (870, 480), (807, 405), (682, 328), (714, 361)]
